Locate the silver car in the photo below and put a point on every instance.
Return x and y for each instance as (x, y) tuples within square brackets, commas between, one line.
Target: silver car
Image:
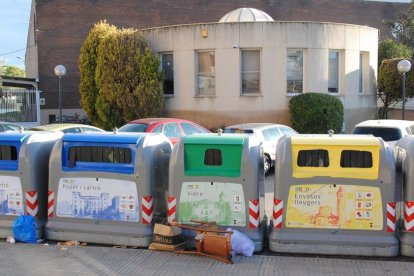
[(269, 134)]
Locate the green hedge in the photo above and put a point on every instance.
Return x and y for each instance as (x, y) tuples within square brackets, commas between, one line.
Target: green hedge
[(316, 113)]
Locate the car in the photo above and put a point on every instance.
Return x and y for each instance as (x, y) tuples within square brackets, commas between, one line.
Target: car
[(389, 130), (173, 128), (268, 133), (67, 128), (10, 127)]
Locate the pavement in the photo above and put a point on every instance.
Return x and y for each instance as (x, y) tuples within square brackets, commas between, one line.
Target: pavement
[(50, 258)]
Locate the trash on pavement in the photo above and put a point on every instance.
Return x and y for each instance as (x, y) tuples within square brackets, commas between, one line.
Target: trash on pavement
[(24, 229), (241, 243), (167, 238)]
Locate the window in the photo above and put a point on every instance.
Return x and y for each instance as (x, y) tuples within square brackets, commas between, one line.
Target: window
[(100, 154), (8, 152), (250, 71), (363, 72), (356, 159), (167, 64), (206, 73), (212, 157), (333, 72), (313, 158), (72, 130), (190, 129), (171, 130), (271, 134), (294, 71)]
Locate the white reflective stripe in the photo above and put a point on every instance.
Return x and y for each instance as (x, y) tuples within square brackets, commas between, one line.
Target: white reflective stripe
[(147, 204), (390, 210), (277, 220), (409, 210), (254, 208), (32, 212)]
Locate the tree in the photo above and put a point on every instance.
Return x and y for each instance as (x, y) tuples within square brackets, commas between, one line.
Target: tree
[(390, 85), (389, 49), (316, 113), (128, 79), (87, 67), (12, 71), (403, 30)]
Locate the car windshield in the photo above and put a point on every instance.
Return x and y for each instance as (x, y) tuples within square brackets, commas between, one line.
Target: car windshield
[(386, 133), (238, 130), (133, 128)]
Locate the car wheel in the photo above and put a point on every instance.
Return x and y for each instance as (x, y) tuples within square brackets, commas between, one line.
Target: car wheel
[(267, 164)]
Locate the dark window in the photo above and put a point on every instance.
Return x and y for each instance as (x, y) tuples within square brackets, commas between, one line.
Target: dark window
[(212, 157), (386, 133), (99, 154), (313, 158), (168, 69), (8, 152), (133, 128), (238, 130), (356, 159)]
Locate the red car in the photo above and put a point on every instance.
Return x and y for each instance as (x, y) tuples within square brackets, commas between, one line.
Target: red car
[(172, 128)]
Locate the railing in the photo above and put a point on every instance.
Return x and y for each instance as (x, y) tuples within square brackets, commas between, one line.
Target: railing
[(19, 105)]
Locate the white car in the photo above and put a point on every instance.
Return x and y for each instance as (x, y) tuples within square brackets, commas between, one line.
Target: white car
[(389, 130), (268, 134)]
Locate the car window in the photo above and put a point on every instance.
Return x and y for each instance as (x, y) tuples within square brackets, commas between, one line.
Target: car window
[(266, 135), (287, 131), (411, 129), (133, 128), (7, 127), (238, 130), (274, 133), (190, 129), (158, 129), (72, 130), (386, 133), (90, 129), (171, 130)]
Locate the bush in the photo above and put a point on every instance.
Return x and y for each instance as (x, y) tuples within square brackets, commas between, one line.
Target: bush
[(316, 113)]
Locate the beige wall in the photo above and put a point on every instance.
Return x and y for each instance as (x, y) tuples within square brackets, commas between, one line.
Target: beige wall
[(228, 106)]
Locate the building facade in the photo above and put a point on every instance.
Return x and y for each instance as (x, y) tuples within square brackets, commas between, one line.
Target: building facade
[(59, 27)]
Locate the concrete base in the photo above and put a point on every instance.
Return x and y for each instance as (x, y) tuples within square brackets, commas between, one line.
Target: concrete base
[(407, 243)]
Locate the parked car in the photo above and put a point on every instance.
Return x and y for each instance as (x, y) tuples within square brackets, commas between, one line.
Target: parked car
[(171, 127), (10, 127), (67, 128), (268, 134), (389, 130)]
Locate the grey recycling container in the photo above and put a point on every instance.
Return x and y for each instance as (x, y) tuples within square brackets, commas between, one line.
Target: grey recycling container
[(24, 172), (219, 178), (108, 188), (334, 194)]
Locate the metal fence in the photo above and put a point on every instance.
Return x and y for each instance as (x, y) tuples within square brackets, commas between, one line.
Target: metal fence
[(19, 105)]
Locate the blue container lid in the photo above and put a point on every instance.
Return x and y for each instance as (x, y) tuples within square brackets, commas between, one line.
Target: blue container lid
[(104, 137)]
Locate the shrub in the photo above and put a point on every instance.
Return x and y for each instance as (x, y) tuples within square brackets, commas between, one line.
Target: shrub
[(316, 113), (87, 67)]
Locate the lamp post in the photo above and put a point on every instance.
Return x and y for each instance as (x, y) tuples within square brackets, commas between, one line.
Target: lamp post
[(60, 71), (403, 67)]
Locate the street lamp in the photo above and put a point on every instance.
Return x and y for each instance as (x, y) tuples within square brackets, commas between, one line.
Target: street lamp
[(60, 71), (403, 67)]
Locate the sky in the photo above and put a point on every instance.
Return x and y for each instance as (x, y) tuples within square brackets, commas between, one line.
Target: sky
[(14, 25)]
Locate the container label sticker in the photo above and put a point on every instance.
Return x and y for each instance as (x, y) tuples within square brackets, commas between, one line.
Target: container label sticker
[(334, 206), (11, 196), (98, 198), (220, 202)]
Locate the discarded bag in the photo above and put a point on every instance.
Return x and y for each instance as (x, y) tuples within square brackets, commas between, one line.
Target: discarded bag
[(24, 229), (241, 244), (167, 238)]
